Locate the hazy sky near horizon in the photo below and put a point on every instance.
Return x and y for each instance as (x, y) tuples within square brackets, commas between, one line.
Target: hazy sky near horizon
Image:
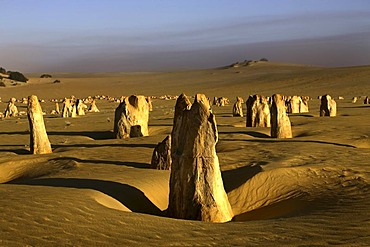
[(114, 35)]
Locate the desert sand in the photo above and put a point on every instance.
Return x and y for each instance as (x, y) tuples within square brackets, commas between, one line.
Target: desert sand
[(94, 190)]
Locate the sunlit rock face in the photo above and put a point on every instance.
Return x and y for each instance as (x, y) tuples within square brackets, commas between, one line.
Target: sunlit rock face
[(131, 118), (280, 123), (39, 141), (328, 106), (196, 186)]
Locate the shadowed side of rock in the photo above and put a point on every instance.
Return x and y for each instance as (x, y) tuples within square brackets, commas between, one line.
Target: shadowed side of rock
[(39, 141), (161, 158), (252, 104), (196, 186), (328, 107)]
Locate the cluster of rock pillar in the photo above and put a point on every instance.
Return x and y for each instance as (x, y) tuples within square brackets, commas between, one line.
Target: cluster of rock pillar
[(297, 104), (220, 101), (258, 111), (75, 107), (269, 112)]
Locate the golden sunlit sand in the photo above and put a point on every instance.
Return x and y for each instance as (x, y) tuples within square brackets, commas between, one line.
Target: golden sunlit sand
[(94, 190)]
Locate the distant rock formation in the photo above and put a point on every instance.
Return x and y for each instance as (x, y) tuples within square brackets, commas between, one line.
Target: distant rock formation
[(39, 141), (196, 187), (258, 112), (67, 108), (57, 110), (11, 109), (294, 104), (280, 123), (161, 158), (131, 118), (238, 107), (328, 106), (93, 107), (303, 108), (220, 101), (263, 118), (80, 107), (251, 104)]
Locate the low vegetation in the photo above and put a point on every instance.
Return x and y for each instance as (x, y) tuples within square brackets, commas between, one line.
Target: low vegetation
[(12, 75)]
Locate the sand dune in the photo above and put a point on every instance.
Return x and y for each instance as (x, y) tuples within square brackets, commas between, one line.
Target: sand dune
[(311, 190)]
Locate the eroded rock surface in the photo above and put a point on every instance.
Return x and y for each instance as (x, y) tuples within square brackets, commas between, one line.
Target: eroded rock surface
[(238, 107), (131, 117), (196, 186), (39, 141), (328, 106), (161, 158), (11, 109), (280, 123)]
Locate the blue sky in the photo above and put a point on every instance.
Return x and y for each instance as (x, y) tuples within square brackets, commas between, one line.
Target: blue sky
[(118, 35)]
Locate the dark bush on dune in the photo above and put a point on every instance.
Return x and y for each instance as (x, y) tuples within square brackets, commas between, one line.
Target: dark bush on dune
[(56, 81), (264, 59), (17, 76), (2, 70), (45, 76)]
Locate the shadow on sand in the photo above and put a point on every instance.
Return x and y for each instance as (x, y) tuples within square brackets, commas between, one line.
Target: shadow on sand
[(131, 197), (88, 145), (236, 177), (272, 140), (109, 162), (96, 135), (250, 133), (23, 151), (10, 149)]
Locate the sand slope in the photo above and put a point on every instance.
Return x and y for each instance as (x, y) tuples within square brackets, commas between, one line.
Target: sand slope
[(311, 190)]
